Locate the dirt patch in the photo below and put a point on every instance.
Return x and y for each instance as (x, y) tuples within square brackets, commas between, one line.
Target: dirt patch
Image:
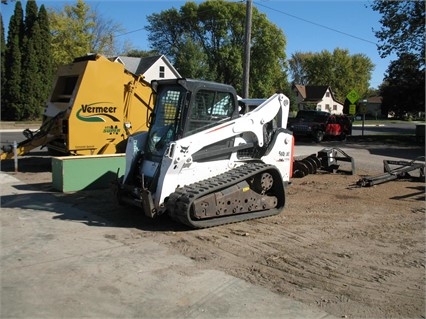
[(353, 252), (350, 251)]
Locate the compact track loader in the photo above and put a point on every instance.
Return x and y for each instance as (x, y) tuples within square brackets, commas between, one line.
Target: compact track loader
[(95, 104), (204, 163)]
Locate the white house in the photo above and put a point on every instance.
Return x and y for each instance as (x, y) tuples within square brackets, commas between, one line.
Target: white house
[(321, 97), (152, 68)]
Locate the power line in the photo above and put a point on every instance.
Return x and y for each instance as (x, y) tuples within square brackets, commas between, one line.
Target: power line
[(316, 24), (198, 13), (287, 14), (125, 33)]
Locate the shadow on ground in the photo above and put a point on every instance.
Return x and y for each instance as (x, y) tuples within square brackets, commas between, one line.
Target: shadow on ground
[(99, 208), (34, 163), (92, 207)]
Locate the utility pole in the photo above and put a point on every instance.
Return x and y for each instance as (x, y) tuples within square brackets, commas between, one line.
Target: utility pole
[(246, 71)]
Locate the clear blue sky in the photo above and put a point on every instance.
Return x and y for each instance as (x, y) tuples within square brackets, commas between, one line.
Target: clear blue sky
[(313, 25)]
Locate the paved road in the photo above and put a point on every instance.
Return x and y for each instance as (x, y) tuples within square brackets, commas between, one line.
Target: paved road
[(307, 147), (8, 136), (389, 128)]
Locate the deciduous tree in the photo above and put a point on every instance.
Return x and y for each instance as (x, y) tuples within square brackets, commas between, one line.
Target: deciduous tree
[(70, 32), (338, 69), (206, 41), (402, 33), (403, 90), (297, 67), (141, 53), (403, 27), (78, 30), (104, 29)]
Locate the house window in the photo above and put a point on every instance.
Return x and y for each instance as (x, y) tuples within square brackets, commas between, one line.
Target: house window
[(162, 72), (327, 94), (327, 107), (334, 107)]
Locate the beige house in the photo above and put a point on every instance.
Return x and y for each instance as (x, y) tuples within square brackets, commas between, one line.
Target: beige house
[(320, 98), (153, 68)]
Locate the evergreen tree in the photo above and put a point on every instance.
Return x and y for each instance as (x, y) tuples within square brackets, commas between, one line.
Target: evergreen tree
[(45, 58), (11, 108), (3, 58), (31, 89)]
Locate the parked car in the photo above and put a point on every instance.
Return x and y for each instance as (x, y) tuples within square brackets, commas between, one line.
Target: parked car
[(320, 124)]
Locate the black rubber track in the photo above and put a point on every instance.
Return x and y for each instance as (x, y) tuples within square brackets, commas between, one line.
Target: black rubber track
[(179, 203)]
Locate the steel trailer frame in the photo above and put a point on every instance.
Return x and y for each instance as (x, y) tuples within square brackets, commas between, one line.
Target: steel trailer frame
[(402, 171)]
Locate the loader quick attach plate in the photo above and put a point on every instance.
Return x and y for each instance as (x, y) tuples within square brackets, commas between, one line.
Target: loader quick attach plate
[(250, 191)]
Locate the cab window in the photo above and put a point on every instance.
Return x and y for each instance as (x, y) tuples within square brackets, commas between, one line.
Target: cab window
[(208, 108)]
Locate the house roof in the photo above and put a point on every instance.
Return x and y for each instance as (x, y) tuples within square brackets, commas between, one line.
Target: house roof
[(311, 93), (374, 100), (301, 89), (314, 93), (141, 65)]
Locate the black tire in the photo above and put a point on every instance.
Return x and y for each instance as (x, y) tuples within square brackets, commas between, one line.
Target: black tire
[(318, 136)]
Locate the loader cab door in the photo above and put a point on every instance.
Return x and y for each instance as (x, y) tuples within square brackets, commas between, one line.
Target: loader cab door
[(163, 128), (164, 122)]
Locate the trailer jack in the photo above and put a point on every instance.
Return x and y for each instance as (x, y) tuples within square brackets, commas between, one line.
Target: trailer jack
[(401, 171)]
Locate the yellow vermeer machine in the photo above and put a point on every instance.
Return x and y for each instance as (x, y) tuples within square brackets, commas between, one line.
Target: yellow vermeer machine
[(94, 106)]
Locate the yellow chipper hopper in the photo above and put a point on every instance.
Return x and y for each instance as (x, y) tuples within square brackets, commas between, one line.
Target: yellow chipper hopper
[(94, 106)]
